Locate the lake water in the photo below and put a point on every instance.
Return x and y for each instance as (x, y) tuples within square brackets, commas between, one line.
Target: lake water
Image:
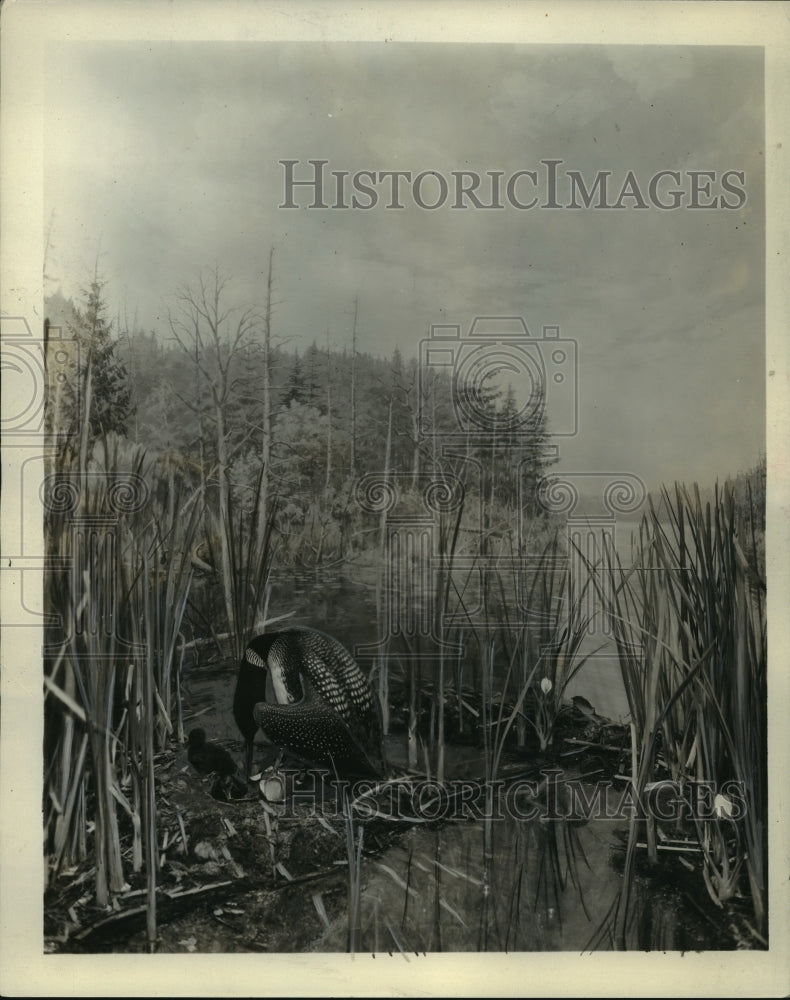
[(345, 606), (513, 884)]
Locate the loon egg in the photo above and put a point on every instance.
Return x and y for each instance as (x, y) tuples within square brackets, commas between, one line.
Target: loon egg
[(272, 788)]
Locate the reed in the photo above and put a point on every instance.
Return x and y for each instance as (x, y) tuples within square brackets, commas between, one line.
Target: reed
[(689, 627), (526, 663), (557, 626), (119, 535), (247, 534), (355, 835), (83, 590), (542, 651), (448, 531)]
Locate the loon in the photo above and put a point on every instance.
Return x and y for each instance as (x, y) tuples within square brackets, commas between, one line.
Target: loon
[(307, 694), (208, 758)]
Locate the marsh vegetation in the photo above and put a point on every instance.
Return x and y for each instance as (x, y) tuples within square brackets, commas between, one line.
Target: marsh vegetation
[(477, 622)]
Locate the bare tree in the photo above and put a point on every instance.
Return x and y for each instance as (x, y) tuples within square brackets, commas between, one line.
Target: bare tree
[(353, 469), (406, 392), (328, 482), (266, 451), (213, 335)]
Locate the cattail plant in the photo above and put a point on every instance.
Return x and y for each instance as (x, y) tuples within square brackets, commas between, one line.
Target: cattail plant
[(118, 578), (247, 535), (442, 616), (689, 628), (355, 834), (541, 653), (557, 625)]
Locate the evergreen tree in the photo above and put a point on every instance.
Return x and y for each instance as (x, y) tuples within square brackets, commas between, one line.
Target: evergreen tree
[(100, 379), (311, 389), (405, 415), (524, 455), (294, 384)]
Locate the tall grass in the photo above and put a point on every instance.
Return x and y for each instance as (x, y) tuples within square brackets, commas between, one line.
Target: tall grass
[(526, 662), (448, 531), (247, 535), (549, 646), (529, 659), (688, 621), (119, 537), (355, 834)]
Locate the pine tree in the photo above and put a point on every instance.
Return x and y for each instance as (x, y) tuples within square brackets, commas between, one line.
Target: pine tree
[(100, 380), (525, 454), (311, 389), (294, 385)]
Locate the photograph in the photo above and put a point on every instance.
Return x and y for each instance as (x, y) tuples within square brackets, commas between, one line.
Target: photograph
[(395, 499)]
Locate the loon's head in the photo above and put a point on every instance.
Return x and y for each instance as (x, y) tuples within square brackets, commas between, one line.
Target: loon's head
[(197, 738)]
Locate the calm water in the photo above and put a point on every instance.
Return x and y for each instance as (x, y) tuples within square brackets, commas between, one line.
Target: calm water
[(345, 606), (513, 884)]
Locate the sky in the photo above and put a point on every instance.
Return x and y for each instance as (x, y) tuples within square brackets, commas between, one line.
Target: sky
[(164, 158)]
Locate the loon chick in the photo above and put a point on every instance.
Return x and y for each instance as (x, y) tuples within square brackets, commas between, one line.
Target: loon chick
[(208, 758), (307, 694)]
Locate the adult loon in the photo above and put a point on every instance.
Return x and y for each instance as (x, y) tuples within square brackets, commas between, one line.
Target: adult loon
[(308, 695)]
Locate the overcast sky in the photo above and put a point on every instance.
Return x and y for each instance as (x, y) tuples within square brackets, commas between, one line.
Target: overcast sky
[(164, 158)]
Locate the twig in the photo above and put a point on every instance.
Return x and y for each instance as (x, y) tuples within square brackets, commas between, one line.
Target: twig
[(312, 876), (166, 898), (673, 847), (592, 743)]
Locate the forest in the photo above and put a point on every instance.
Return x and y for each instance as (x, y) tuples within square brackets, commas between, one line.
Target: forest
[(214, 395), (193, 468)]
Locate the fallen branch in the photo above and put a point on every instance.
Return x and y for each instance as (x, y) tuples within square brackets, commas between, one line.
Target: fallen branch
[(259, 626), (165, 900), (679, 848), (592, 743)]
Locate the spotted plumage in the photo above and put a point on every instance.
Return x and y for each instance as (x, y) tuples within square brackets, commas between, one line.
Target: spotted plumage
[(307, 694)]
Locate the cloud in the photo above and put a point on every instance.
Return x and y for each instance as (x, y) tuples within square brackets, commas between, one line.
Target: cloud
[(651, 69), (165, 158)]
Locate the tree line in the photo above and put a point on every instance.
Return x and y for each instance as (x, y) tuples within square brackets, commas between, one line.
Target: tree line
[(218, 393)]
